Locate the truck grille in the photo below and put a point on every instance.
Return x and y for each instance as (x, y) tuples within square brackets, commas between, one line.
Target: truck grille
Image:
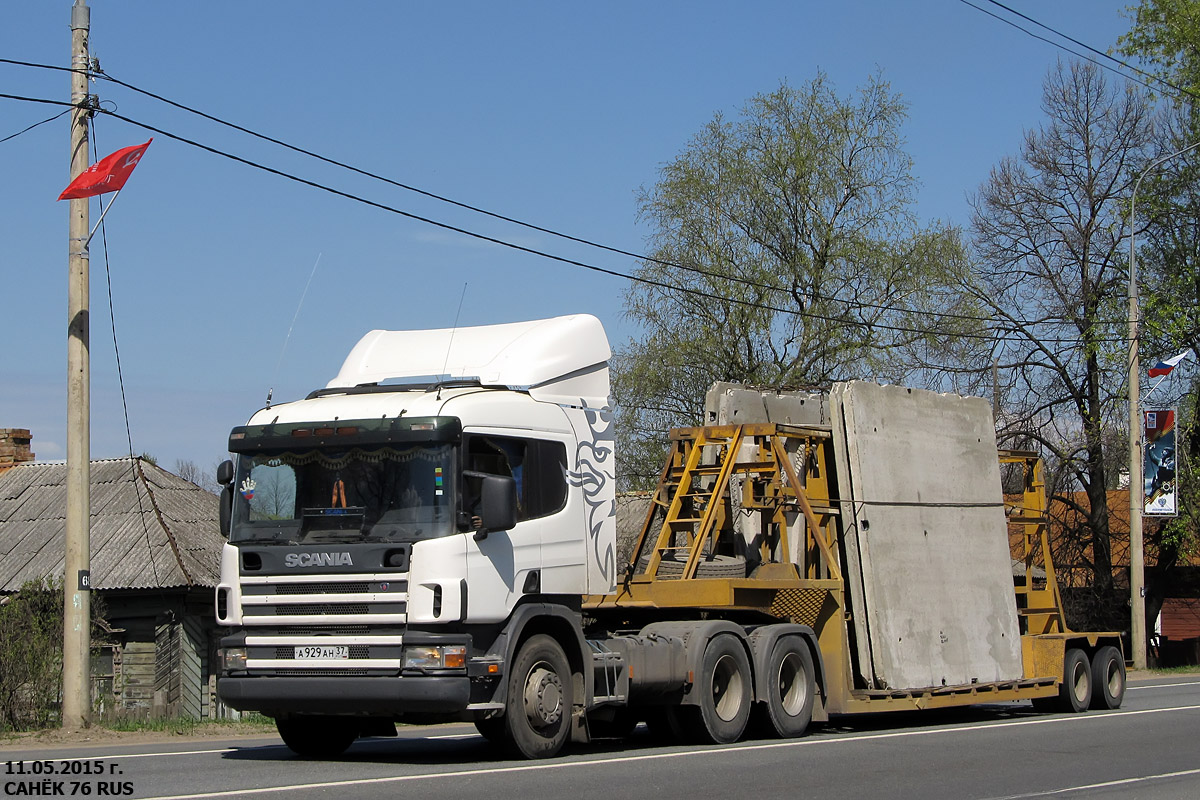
[(365, 613)]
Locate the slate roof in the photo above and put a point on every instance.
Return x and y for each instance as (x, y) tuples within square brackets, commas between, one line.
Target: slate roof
[(155, 531)]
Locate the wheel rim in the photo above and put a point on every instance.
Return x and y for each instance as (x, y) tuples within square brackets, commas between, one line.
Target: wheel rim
[(543, 696), (1079, 682), (1116, 682), (727, 688), (793, 684)]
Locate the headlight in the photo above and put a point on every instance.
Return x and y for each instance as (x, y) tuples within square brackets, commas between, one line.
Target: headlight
[(233, 658), (453, 656)]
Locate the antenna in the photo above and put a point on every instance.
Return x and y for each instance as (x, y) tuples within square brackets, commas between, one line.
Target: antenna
[(450, 343), (288, 338)]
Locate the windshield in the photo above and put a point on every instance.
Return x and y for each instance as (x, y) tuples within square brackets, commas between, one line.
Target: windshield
[(384, 493)]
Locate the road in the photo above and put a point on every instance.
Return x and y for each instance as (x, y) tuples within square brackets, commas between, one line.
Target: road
[(1148, 749)]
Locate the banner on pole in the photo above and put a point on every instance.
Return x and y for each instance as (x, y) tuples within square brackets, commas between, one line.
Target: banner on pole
[(106, 175), (1158, 462)]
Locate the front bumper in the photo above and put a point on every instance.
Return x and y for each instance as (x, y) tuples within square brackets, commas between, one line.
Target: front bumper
[(346, 695)]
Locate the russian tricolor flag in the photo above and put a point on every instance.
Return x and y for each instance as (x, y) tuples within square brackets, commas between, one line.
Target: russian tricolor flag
[(1163, 368)]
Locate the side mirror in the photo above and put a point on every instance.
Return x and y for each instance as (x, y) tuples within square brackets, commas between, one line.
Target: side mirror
[(226, 508), (498, 504), (225, 472)]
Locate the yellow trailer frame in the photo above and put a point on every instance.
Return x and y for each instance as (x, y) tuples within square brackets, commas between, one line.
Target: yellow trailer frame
[(778, 473)]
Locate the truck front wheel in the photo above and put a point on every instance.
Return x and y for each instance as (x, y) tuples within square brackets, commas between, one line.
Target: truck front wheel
[(537, 716), (317, 737)]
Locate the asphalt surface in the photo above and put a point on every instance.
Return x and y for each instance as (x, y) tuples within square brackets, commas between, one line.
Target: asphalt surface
[(1148, 749)]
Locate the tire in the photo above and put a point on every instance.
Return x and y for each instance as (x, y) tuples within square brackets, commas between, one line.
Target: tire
[(1108, 678), (537, 717), (1075, 693), (491, 729), (724, 692), (317, 737), (716, 566), (791, 688)]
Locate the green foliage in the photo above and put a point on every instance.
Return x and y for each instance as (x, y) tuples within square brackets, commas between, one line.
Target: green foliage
[(31, 642), (30, 656), (803, 262), (1164, 35), (184, 726)]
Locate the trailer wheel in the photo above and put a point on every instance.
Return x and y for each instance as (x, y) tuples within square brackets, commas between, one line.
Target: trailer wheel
[(539, 704), (1076, 690), (725, 693), (317, 737), (791, 687), (1108, 678)]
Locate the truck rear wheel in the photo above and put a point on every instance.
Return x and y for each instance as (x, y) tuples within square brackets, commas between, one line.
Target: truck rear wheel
[(317, 737), (724, 694), (791, 687), (1108, 678), (537, 716)]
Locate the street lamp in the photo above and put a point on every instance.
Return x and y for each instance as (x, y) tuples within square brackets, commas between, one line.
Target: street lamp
[(1137, 578)]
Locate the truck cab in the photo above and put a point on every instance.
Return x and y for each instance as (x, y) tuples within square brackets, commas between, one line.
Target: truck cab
[(386, 531)]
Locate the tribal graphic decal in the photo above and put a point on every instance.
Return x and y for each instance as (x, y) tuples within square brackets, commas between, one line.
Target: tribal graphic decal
[(596, 475)]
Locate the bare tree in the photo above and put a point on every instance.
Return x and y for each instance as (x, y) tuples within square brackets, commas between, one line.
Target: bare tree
[(1050, 226)]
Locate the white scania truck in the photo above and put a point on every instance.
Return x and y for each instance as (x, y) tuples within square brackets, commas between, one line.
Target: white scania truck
[(433, 537)]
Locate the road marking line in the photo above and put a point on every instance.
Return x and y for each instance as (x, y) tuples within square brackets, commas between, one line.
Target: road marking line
[(662, 756), (1132, 688), (1104, 785)]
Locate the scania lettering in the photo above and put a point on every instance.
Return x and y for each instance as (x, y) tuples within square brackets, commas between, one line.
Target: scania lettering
[(433, 536), (318, 560)]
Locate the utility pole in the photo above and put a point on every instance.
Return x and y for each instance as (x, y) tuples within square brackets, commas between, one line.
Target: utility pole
[(76, 689), (1137, 568), (1137, 485)]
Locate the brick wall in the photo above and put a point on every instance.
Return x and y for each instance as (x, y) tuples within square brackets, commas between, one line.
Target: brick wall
[(14, 446)]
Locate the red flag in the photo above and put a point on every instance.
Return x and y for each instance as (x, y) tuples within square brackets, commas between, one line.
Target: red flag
[(106, 175)]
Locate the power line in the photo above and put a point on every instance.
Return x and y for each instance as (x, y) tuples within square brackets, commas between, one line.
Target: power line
[(1003, 333), (1053, 43), (505, 218), (34, 125), (558, 258), (850, 304), (1088, 47)]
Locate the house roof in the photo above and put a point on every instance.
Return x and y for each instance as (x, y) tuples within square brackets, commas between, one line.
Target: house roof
[(152, 531)]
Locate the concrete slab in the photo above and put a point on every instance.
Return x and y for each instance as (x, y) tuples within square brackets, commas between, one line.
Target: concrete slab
[(735, 403), (925, 539), (738, 404)]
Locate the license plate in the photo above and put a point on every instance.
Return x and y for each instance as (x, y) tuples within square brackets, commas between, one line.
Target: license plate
[(325, 651)]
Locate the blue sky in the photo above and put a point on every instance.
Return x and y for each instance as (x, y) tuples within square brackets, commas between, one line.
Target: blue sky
[(552, 113)]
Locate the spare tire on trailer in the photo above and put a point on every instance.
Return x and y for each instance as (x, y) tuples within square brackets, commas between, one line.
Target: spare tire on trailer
[(713, 566)]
